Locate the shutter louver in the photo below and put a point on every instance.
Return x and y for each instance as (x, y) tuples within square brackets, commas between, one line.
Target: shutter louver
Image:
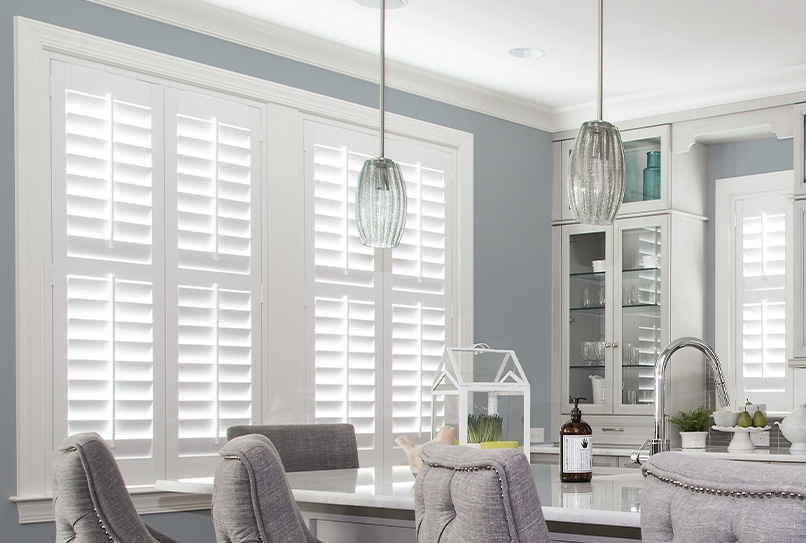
[(213, 272), (762, 280), (104, 305)]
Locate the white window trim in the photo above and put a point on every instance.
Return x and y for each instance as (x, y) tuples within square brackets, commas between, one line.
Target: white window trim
[(727, 190), (35, 44)]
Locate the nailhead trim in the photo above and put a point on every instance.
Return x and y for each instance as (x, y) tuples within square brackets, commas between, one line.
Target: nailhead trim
[(482, 468), (730, 493)]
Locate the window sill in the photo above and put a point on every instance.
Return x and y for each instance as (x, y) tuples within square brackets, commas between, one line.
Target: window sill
[(32, 509)]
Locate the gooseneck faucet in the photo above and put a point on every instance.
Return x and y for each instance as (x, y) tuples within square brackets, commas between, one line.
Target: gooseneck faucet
[(660, 442)]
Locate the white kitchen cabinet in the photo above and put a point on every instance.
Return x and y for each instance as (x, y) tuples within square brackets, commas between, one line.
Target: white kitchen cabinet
[(638, 144), (610, 323)]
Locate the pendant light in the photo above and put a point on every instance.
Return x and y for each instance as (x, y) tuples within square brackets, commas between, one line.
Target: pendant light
[(380, 197), (596, 176)]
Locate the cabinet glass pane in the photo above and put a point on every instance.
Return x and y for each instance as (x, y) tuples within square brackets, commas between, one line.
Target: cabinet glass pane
[(641, 297), (586, 302), (642, 167)]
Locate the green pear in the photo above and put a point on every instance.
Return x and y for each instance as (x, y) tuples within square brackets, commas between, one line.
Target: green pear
[(745, 420), (759, 420)]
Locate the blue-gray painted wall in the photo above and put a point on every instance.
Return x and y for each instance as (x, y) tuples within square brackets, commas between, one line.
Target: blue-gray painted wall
[(736, 160), (512, 261)]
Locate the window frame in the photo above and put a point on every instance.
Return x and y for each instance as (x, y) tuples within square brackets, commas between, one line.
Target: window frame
[(283, 385), (728, 190)]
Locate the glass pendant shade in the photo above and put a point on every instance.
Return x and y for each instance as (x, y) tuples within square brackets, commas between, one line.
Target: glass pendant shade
[(380, 203), (596, 176)]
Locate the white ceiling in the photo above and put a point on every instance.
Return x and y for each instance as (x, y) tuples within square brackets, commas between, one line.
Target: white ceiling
[(651, 47)]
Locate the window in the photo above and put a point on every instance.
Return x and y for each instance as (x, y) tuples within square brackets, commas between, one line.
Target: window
[(175, 246), (754, 322), (378, 321), (156, 269)]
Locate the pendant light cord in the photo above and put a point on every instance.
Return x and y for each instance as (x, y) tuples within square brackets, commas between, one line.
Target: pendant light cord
[(601, 47), (383, 71)]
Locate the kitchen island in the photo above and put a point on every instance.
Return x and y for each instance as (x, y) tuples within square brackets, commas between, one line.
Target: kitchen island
[(368, 505)]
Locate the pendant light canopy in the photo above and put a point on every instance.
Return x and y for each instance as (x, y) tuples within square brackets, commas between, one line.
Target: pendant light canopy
[(380, 197), (596, 176)]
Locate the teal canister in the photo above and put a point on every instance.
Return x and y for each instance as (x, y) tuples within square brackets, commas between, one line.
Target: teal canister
[(652, 176)]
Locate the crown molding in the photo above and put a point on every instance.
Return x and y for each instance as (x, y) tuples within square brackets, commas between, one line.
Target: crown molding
[(277, 40)]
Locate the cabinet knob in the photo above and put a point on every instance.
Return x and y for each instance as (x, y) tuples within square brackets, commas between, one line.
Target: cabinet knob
[(611, 344), (606, 429)]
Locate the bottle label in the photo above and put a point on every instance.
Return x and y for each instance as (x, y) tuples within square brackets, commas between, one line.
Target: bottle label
[(577, 454)]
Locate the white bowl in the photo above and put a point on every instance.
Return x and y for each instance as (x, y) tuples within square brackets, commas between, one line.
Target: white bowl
[(725, 419)]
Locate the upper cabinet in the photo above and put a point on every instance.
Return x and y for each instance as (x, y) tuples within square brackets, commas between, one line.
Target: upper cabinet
[(649, 166)]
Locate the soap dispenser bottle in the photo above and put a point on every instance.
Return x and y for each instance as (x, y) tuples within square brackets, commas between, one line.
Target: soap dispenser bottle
[(576, 448)]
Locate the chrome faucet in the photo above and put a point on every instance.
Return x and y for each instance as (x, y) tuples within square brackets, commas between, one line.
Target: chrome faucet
[(660, 442)]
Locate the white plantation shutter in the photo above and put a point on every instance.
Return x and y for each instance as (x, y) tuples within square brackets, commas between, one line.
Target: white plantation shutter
[(420, 287), (213, 273), (156, 231), (761, 300), (343, 295), (106, 316), (377, 321)]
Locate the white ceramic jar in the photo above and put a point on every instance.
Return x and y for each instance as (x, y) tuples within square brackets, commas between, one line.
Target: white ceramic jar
[(793, 428)]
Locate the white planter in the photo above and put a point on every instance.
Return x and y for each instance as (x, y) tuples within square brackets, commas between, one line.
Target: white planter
[(693, 440)]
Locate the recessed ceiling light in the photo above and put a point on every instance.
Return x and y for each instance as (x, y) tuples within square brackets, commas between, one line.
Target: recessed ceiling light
[(525, 52), (390, 4)]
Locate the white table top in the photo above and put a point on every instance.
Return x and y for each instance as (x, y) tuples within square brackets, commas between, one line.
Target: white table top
[(612, 498), (759, 454)]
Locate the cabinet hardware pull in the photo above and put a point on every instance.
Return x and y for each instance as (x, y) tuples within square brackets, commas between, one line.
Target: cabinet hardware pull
[(607, 344), (614, 344), (612, 429)]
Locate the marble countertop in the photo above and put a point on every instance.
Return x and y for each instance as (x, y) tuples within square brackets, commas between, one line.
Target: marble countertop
[(759, 454), (612, 498)]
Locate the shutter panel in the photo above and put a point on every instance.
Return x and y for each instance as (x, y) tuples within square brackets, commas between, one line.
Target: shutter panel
[(213, 273), (762, 299), (105, 311), (419, 290), (344, 321)]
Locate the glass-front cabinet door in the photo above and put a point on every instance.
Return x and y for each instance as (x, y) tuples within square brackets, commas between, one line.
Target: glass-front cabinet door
[(800, 148), (647, 165), (614, 281), (641, 320), (589, 295)]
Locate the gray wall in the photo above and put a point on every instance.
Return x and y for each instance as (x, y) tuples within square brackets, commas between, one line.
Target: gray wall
[(512, 166), (736, 160)]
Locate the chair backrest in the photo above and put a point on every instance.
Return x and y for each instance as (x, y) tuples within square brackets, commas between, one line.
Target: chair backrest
[(251, 497), (470, 495), (90, 500), (695, 499), (308, 447)]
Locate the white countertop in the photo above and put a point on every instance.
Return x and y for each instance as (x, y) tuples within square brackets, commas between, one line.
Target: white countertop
[(759, 454), (612, 498)]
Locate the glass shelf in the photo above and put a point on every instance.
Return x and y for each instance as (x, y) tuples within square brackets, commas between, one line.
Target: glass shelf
[(631, 306), (587, 367), (593, 308), (588, 274), (634, 270), (652, 365)]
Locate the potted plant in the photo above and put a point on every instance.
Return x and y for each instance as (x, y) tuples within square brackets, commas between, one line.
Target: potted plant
[(693, 427)]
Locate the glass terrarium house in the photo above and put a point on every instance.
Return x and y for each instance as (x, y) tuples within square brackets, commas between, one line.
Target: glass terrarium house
[(484, 394)]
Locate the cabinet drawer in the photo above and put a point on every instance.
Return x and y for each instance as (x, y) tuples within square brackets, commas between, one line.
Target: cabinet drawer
[(631, 431)]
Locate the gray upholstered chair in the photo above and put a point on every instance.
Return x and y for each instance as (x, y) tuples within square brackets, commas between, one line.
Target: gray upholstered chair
[(251, 497), (698, 500), (476, 496), (308, 447), (90, 500)]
